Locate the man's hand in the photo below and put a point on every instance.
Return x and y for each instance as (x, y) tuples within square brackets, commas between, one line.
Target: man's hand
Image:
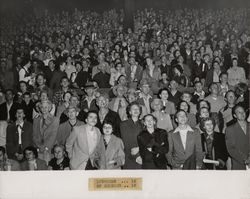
[(221, 163), (139, 160), (134, 150)]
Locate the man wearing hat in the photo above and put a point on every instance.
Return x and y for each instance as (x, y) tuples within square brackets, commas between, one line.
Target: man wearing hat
[(145, 98), (89, 101), (133, 72), (65, 128)]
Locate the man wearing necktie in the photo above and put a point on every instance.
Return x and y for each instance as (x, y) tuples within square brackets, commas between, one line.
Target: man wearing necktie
[(19, 136)]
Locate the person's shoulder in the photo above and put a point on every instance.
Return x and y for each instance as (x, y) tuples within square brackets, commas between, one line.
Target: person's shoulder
[(27, 123), (219, 135), (80, 127), (231, 129), (113, 113), (56, 119), (11, 125), (161, 131), (124, 123), (80, 123), (3, 104), (143, 133), (195, 131), (37, 119), (42, 162), (116, 139), (52, 162)]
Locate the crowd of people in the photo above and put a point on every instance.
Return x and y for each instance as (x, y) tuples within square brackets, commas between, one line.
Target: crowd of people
[(79, 91)]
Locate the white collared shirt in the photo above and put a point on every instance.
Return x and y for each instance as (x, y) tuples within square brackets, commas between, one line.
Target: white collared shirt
[(183, 134), (147, 103), (19, 131), (200, 94), (92, 139), (89, 100), (8, 110)]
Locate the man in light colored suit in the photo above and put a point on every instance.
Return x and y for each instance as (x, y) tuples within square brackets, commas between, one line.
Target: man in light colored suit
[(45, 131), (82, 143), (185, 149), (238, 140)]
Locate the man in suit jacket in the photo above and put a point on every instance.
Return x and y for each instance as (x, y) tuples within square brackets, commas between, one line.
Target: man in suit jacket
[(133, 72), (105, 113), (185, 150), (199, 93), (89, 101), (19, 136), (238, 140), (82, 143), (8, 108), (145, 99), (45, 131)]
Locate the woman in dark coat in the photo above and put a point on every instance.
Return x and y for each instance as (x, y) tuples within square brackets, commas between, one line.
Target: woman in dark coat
[(213, 145), (153, 145), (130, 129)]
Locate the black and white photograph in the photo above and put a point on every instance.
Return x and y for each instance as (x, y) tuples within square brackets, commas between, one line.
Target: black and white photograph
[(95, 87)]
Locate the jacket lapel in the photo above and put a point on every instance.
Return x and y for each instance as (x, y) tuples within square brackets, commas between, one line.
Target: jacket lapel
[(189, 141), (178, 137), (15, 134), (84, 139), (110, 146), (241, 132)]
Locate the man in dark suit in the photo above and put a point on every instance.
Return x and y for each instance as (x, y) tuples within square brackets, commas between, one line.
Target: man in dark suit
[(89, 101), (133, 72), (199, 93), (80, 77), (175, 95), (238, 140), (105, 113), (18, 136), (213, 144), (102, 78), (8, 108), (199, 68)]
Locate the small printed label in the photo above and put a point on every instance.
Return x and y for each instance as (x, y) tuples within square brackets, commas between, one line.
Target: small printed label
[(108, 184)]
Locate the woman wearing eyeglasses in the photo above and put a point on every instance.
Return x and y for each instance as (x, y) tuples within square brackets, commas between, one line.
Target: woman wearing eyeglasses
[(109, 153)]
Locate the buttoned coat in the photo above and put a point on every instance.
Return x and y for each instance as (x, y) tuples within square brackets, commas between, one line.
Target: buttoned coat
[(12, 145)]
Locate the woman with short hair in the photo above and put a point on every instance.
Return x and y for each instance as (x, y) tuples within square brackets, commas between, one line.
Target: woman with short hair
[(109, 153), (60, 160), (32, 162), (153, 144)]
